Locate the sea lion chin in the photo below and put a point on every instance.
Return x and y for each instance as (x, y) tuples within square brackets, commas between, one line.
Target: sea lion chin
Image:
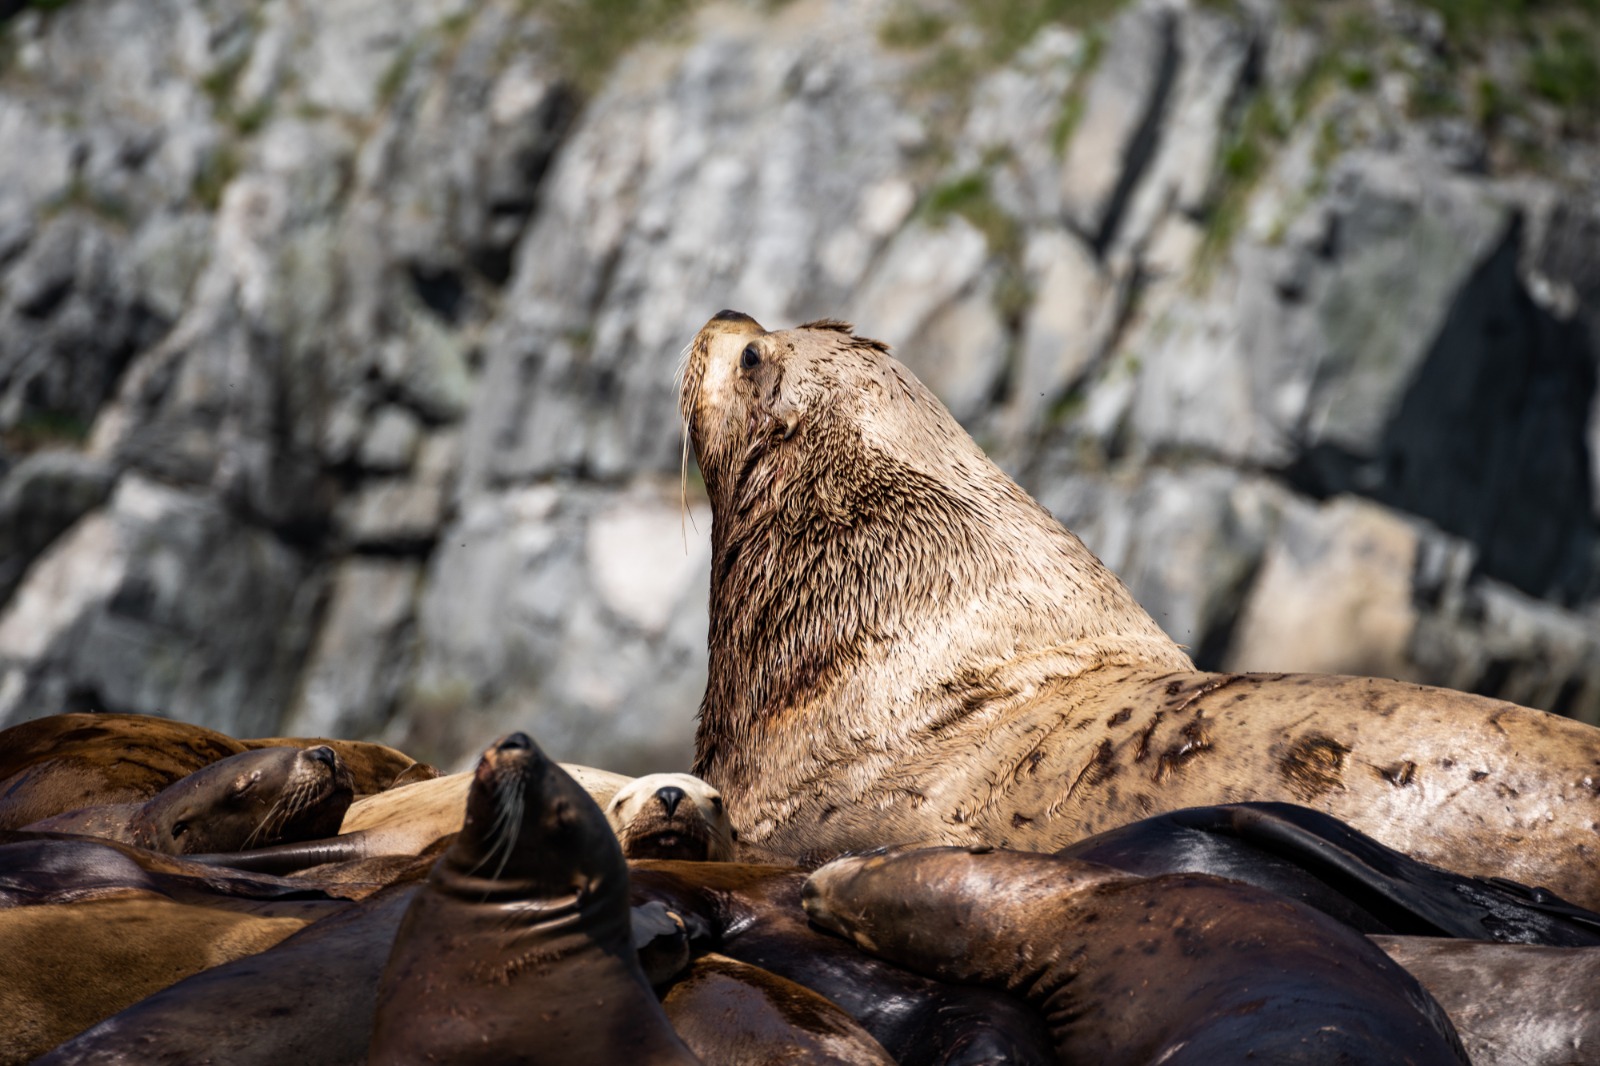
[(905, 647)]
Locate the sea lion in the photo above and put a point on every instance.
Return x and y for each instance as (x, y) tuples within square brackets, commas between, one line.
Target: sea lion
[(373, 767), (519, 947), (1321, 862), (752, 913), (1513, 1004), (1179, 969), (671, 816), (307, 1000), (265, 797), (69, 965), (904, 646), (733, 1014), (65, 762)]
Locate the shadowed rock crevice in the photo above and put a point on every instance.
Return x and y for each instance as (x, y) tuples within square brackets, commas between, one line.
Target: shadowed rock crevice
[(1488, 439)]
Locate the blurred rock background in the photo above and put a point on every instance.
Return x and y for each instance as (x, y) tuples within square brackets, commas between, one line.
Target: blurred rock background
[(337, 339)]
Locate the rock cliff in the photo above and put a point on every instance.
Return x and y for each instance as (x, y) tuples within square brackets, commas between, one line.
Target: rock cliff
[(337, 340)]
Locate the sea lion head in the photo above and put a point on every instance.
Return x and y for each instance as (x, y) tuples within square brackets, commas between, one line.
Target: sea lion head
[(671, 816), (251, 800), (531, 832)]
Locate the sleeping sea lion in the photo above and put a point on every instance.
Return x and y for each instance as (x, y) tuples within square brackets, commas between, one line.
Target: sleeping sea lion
[(255, 798), (373, 767), (671, 816), (65, 762), (519, 947), (905, 647), (1180, 969)]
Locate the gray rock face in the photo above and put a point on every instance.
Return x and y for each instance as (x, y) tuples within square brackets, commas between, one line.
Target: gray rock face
[(337, 341)]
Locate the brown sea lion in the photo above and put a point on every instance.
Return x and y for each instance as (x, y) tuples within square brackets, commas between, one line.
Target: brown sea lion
[(69, 965), (308, 1000), (373, 767), (904, 646), (255, 798), (1513, 1004), (752, 913), (671, 816), (734, 1014), (519, 947), (65, 762), (1180, 969)]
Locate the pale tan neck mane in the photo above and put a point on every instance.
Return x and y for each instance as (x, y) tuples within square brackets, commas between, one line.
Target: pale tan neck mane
[(875, 576)]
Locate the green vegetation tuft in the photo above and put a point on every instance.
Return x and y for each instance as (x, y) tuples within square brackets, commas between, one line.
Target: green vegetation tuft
[(968, 196), (593, 34), (213, 177), (910, 27), (1094, 48), (43, 429), (1563, 69), (393, 78)]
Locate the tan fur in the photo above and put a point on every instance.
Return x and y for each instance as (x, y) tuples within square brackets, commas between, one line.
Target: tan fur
[(906, 647), (405, 820), (635, 812), (67, 966)]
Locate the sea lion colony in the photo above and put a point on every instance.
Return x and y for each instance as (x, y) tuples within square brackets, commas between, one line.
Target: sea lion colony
[(905, 650)]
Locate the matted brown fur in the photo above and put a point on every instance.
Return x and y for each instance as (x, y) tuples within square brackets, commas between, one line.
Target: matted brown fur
[(904, 646)]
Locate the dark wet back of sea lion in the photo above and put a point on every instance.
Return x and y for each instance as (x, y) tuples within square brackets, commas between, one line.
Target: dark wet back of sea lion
[(752, 913), (65, 762), (1320, 861)]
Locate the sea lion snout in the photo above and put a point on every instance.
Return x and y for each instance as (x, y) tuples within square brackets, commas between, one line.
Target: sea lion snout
[(324, 755), (670, 796), (517, 741)]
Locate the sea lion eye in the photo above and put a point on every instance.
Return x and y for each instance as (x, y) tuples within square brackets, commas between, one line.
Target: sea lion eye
[(716, 801), (178, 829), (750, 359)]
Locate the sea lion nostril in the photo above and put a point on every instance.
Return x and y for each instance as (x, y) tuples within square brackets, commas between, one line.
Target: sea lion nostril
[(670, 796), (725, 315), (517, 741), (324, 755)]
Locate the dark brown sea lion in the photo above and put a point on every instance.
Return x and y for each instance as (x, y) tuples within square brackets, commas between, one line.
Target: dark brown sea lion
[(753, 914), (519, 948), (734, 1014), (1513, 1004), (373, 767), (67, 966), (671, 816), (904, 646), (1180, 969), (65, 762), (255, 798), (1318, 860)]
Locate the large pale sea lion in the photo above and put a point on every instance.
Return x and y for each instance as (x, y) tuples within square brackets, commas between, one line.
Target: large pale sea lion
[(904, 646), (1182, 969), (519, 947), (262, 798)]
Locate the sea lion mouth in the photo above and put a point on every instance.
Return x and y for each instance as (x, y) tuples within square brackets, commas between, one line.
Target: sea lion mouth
[(668, 839)]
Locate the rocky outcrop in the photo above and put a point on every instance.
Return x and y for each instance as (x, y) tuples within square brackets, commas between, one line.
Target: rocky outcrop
[(337, 341)]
